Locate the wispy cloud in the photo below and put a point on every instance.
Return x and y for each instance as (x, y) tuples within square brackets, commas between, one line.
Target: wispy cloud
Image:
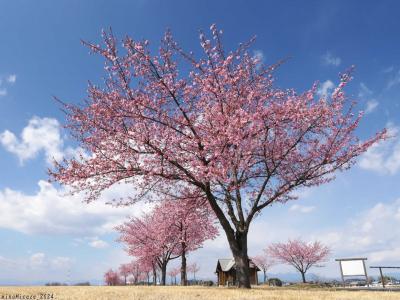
[(302, 208), (259, 55), (330, 60), (388, 69), (325, 88), (98, 243), (384, 157), (91, 241), (364, 91), (10, 79), (371, 106), (394, 80)]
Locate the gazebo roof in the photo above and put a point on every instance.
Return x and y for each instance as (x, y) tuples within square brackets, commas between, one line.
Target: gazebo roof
[(227, 264)]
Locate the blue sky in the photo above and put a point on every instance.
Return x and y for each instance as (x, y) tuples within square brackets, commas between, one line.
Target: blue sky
[(49, 236)]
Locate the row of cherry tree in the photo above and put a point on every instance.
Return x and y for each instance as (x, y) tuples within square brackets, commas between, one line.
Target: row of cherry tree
[(297, 253), (170, 231), (138, 272)]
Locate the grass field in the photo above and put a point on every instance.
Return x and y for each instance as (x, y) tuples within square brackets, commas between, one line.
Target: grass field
[(188, 293)]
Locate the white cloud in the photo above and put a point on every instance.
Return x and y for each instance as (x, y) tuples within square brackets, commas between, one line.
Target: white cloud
[(40, 135), (37, 267), (91, 241), (302, 208), (12, 78), (97, 243), (259, 55), (325, 88), (372, 233), (383, 157), (371, 106), (37, 260), (61, 262), (54, 211), (365, 92), (329, 59)]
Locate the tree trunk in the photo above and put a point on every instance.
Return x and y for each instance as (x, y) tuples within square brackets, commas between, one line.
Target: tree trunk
[(154, 276), (237, 240), (303, 276), (183, 266), (163, 273), (238, 247), (125, 279), (265, 276)]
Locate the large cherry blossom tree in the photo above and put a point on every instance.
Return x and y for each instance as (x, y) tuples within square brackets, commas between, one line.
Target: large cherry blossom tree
[(213, 123), (299, 254)]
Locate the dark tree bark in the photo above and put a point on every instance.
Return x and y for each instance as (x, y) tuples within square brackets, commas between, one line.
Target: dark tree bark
[(303, 276), (154, 275), (183, 266), (163, 273), (239, 250)]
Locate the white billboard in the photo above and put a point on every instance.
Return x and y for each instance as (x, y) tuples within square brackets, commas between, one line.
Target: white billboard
[(353, 267)]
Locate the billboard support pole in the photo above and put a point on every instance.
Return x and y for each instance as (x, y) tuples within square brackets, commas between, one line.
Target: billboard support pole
[(346, 273)]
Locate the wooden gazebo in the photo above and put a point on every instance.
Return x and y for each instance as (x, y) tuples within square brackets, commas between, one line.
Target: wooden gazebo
[(226, 272)]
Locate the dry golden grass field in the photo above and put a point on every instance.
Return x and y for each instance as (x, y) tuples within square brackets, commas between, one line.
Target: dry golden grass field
[(188, 293)]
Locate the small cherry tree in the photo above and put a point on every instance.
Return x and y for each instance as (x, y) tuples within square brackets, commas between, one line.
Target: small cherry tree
[(136, 270), (212, 123), (194, 268), (173, 273), (124, 271), (264, 262), (111, 277), (299, 254), (147, 268)]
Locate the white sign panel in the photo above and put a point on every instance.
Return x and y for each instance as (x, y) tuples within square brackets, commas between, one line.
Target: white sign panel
[(353, 267)]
